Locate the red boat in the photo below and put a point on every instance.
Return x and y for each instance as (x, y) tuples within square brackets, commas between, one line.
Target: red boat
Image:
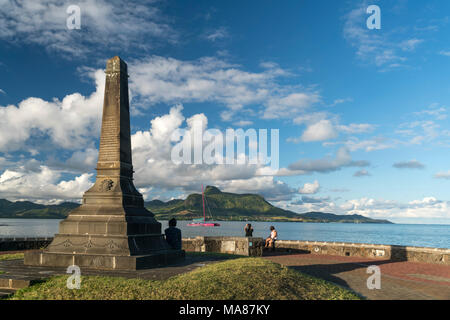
[(200, 222)]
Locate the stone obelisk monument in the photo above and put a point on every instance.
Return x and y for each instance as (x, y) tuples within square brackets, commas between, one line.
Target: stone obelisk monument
[(111, 229)]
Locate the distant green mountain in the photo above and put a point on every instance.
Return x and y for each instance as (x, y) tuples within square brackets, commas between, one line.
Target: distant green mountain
[(219, 206), (27, 209), (231, 206)]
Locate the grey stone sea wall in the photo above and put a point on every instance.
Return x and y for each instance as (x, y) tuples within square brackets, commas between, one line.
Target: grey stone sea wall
[(254, 247), (17, 244), (376, 251)]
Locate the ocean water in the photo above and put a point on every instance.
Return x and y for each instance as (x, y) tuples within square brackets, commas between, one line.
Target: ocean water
[(420, 235)]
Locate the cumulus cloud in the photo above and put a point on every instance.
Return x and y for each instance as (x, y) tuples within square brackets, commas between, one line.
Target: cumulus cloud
[(69, 123), (158, 79), (322, 130), (155, 170), (154, 167), (310, 188), (412, 164), (79, 161), (104, 24), (321, 126), (43, 184)]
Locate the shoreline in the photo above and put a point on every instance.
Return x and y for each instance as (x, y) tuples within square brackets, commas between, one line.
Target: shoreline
[(279, 242), (228, 220)]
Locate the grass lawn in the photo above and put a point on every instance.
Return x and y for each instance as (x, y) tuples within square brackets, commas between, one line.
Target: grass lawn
[(11, 256), (243, 278)]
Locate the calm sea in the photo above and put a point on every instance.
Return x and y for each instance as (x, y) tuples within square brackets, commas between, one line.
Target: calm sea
[(420, 235)]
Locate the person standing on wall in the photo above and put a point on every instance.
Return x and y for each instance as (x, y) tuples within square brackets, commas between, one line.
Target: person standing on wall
[(248, 230)]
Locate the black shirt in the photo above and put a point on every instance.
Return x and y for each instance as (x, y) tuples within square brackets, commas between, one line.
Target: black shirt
[(173, 237)]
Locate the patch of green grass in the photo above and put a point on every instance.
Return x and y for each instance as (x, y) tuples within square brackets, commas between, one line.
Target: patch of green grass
[(244, 278), (11, 256)]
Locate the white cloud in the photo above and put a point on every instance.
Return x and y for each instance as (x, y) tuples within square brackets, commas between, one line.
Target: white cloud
[(435, 110), (268, 187), (158, 79), (339, 101), (154, 167), (410, 44), (292, 104), (425, 208), (155, 170), (322, 130), (443, 175), (310, 188), (384, 50), (69, 123), (445, 53), (218, 34), (243, 123), (104, 24), (342, 159), (361, 173), (376, 143), (356, 128), (412, 164), (43, 184), (428, 207)]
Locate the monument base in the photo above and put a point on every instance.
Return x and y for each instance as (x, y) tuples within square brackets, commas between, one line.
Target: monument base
[(103, 262)]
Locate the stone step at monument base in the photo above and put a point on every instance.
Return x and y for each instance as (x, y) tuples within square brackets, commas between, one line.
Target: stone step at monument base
[(5, 293), (13, 283), (104, 262), (105, 244)]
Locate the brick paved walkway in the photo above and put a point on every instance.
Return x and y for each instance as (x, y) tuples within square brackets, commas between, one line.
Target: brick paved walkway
[(399, 280)]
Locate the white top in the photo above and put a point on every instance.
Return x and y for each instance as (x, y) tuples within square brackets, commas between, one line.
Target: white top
[(272, 235)]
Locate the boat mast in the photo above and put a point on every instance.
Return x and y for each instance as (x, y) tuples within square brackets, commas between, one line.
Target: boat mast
[(203, 200)]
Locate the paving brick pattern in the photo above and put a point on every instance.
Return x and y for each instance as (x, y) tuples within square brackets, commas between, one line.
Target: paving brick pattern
[(399, 280)]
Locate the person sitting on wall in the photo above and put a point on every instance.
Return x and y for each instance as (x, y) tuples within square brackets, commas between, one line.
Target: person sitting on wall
[(273, 237), (173, 235), (248, 230)]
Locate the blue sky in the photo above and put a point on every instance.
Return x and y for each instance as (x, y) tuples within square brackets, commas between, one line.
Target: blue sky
[(362, 114)]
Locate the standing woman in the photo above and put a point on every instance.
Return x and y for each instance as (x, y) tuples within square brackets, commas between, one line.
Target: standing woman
[(248, 230)]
